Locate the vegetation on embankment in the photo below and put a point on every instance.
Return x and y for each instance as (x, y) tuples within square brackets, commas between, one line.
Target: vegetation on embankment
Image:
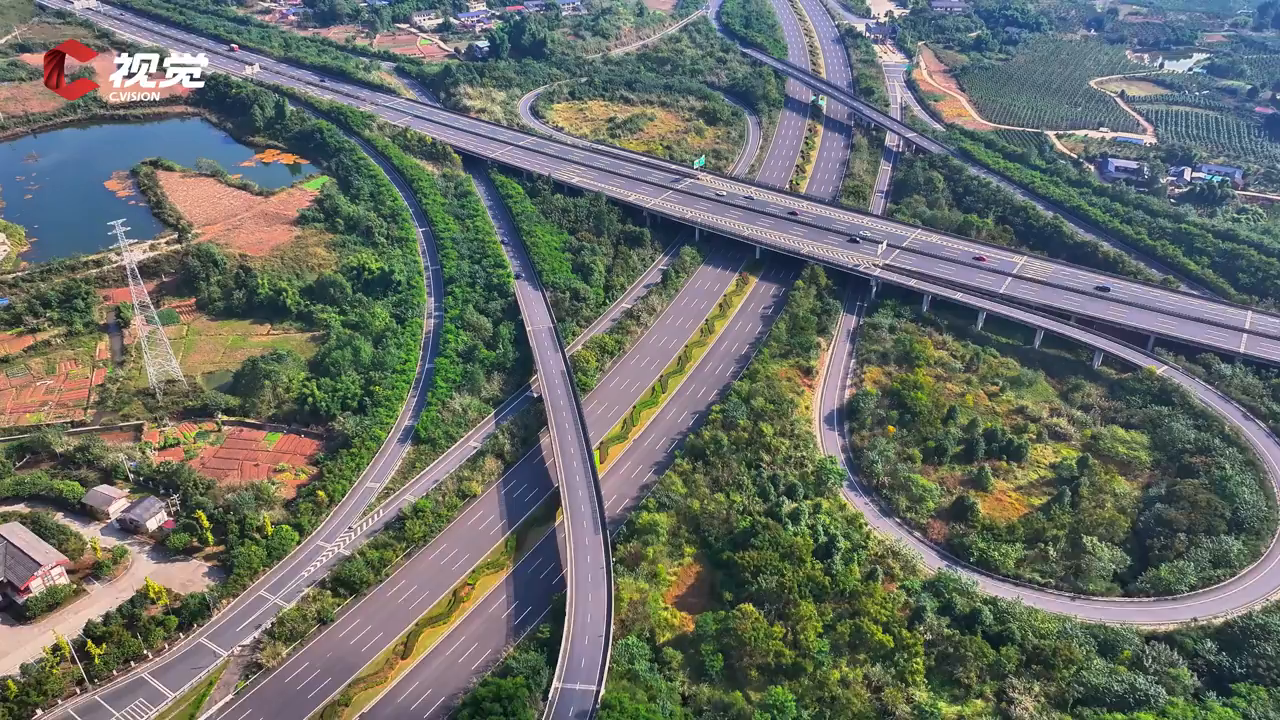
[(417, 524), (144, 174), (937, 192), (1029, 464), (755, 23), (586, 250), (859, 183), (1239, 261), (599, 352), (746, 587)]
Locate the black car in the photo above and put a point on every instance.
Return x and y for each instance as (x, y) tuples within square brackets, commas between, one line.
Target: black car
[(519, 276), (793, 213), (1102, 288), (855, 240)]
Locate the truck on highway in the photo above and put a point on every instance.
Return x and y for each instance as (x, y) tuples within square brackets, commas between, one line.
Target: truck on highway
[(234, 47)]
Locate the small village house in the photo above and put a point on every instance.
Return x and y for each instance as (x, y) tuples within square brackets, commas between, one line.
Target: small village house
[(145, 515), (105, 501), (28, 565)]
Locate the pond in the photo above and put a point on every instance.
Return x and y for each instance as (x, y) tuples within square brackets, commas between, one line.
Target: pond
[(1174, 60), (58, 184)]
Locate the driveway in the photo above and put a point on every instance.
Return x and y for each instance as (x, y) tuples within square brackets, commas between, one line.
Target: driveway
[(22, 643)]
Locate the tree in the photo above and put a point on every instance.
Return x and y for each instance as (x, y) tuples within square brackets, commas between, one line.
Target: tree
[(268, 384), (94, 651), (178, 542), (498, 699)]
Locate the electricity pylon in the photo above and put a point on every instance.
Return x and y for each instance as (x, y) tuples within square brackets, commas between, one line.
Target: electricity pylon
[(157, 354)]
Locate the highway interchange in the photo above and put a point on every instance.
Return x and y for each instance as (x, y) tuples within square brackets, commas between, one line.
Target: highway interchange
[(818, 232), (912, 257)]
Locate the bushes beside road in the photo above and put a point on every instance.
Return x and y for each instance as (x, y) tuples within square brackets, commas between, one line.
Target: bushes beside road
[(1238, 261), (587, 252), (755, 23)]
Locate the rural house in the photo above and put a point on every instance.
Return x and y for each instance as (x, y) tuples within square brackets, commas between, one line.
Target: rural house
[(948, 6), (105, 501), (145, 515), (28, 564), (1234, 174), (1180, 176), (479, 49), (426, 20), (1121, 169), (570, 7), (474, 5)]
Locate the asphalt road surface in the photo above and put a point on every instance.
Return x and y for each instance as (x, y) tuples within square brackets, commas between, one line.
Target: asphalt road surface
[(588, 630), (819, 233), (385, 613), (788, 135), (1255, 585), (471, 648), (837, 131)]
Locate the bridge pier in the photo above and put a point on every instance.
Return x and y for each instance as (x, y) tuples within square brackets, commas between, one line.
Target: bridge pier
[(757, 252), (982, 318), (697, 233), (875, 285), (1039, 338), (924, 304), (1151, 342), (646, 218), (1097, 359)]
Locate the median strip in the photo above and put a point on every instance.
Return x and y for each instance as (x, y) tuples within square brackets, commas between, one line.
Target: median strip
[(813, 127), (383, 671), (675, 372)]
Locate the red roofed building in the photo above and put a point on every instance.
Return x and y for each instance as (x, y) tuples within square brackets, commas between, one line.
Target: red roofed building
[(28, 564)]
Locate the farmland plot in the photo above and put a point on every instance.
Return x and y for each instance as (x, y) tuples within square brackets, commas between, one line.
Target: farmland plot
[(1046, 86), (1216, 132)]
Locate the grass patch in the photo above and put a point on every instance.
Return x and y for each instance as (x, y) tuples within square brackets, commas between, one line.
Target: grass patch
[(187, 705), (674, 373), (402, 655), (206, 345), (679, 135), (316, 183)]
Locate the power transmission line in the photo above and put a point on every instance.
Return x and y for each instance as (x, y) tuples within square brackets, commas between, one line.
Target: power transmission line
[(157, 355)]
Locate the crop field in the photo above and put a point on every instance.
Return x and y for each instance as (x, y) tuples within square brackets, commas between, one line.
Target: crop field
[(234, 455), (1045, 86), (1215, 132), (1263, 69), (52, 386), (1023, 139)]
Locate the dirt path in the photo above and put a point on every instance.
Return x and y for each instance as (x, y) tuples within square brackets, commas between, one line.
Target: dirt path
[(975, 121), (1149, 130)]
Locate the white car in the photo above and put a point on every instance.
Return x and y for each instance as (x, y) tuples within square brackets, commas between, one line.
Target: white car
[(721, 193)]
